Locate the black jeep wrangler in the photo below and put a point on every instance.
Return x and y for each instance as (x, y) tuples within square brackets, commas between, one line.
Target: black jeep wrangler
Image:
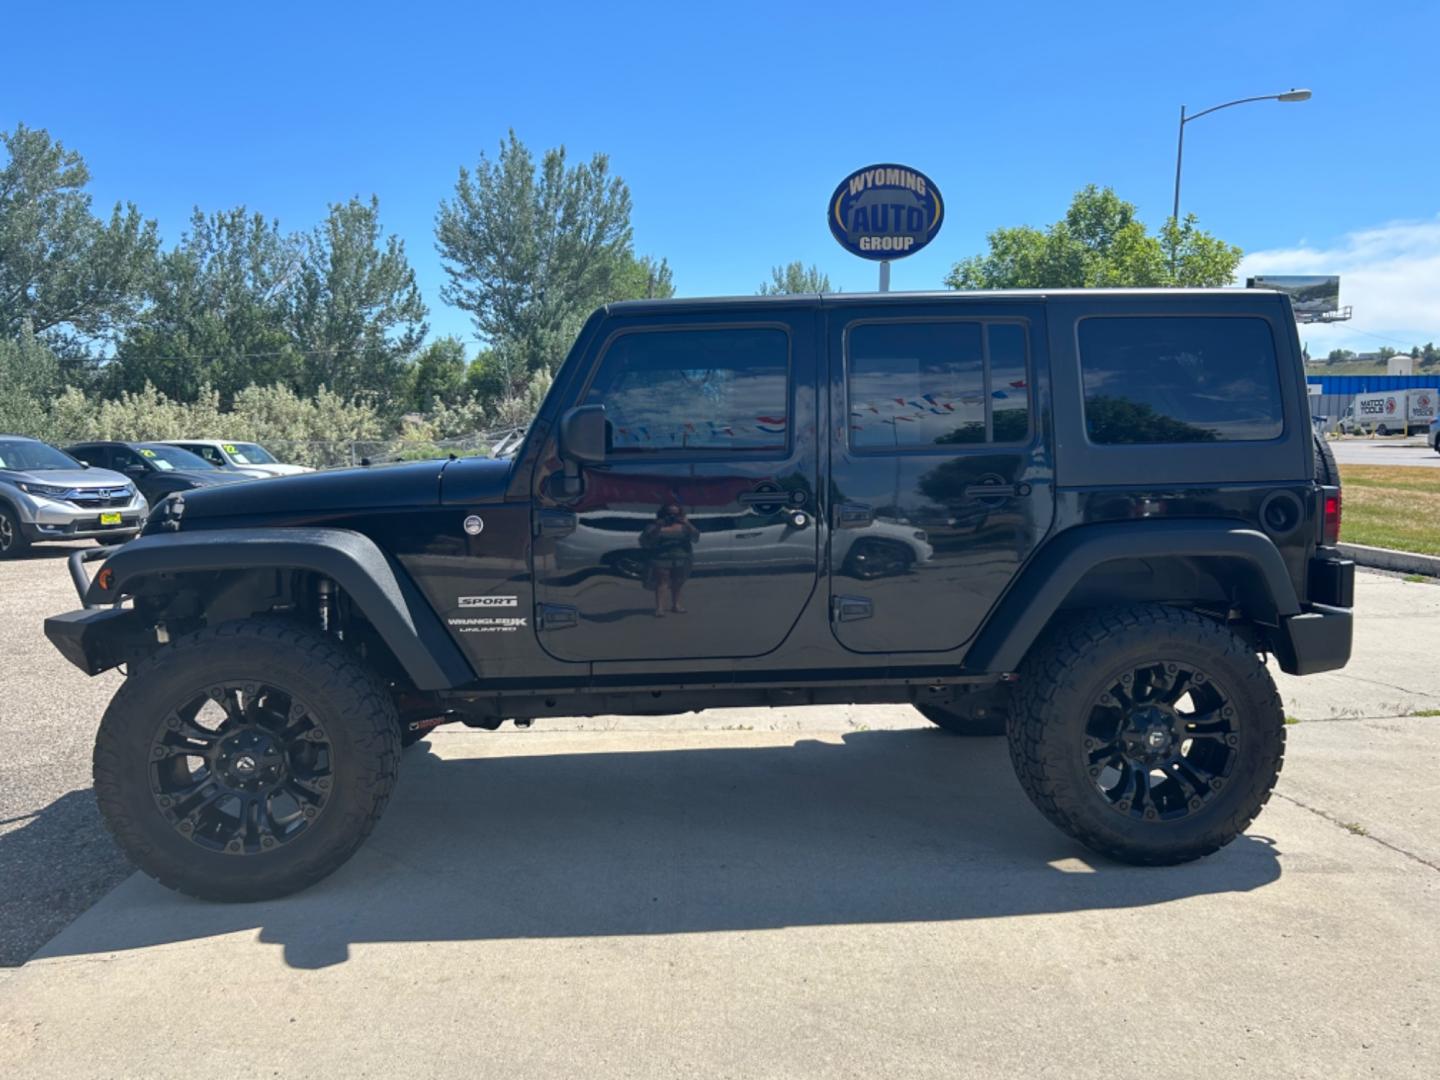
[(1079, 518)]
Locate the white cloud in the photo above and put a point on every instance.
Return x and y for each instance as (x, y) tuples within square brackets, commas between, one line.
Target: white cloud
[(1390, 274)]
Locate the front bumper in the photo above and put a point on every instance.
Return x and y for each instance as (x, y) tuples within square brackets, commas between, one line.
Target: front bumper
[(43, 518), (87, 527), (97, 640)]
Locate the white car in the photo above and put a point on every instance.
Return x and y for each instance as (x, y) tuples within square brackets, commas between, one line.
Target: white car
[(243, 457)]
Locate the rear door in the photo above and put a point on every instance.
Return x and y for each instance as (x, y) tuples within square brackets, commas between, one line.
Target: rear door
[(941, 478), (696, 538)]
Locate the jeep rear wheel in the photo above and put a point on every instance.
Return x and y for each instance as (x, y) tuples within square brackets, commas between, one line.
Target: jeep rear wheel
[(246, 761), (1150, 734), (968, 722)]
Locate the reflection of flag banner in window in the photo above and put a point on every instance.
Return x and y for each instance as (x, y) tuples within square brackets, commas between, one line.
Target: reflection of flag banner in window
[(773, 425)]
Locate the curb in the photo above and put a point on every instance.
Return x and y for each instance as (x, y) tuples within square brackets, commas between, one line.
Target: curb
[(1402, 562)]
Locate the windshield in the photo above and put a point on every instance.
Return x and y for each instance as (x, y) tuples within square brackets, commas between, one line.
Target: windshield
[(30, 455), (166, 458), (249, 453)]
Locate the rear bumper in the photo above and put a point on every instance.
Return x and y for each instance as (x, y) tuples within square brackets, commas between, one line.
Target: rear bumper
[(1319, 638)]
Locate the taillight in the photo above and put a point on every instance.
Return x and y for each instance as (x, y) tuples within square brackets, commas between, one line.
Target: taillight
[(1330, 520)]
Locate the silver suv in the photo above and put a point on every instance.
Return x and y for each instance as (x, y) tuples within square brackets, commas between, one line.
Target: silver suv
[(48, 495)]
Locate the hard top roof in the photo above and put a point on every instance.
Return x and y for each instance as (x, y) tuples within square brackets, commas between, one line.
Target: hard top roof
[(953, 296)]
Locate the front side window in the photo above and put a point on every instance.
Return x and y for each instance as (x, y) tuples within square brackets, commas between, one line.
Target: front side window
[(925, 384), (1179, 379), (674, 391)]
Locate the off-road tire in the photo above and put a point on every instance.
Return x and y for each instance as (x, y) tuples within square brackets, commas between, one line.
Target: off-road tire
[(356, 711), (12, 541), (1327, 473), (960, 723), (1061, 679)]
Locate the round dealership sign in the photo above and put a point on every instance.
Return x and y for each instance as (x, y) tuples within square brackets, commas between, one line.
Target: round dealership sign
[(886, 211)]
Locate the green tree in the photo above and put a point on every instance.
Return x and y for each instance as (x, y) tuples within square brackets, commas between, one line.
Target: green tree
[(643, 279), (29, 376), (216, 313), (356, 312), (1099, 243), (439, 374), (793, 278), (71, 276), (1339, 356), (531, 250)]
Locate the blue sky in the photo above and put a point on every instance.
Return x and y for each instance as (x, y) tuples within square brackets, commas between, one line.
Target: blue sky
[(732, 124)]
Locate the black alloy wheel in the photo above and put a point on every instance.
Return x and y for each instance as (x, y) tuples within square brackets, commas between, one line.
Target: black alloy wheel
[(241, 768), (1161, 741)]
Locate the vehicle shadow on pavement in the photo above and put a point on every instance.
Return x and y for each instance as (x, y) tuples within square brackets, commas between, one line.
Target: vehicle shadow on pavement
[(891, 826), (53, 865)]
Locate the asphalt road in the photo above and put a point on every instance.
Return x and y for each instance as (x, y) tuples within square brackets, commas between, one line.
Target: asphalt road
[(1388, 451), (821, 892)]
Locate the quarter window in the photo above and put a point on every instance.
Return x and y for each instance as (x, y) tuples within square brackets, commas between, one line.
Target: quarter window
[(684, 390), (937, 384), (1179, 379)]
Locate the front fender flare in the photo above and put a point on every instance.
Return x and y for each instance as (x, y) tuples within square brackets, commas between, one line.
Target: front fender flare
[(1061, 564), (375, 583)]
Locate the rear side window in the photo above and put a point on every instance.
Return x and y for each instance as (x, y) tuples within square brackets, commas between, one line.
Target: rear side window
[(673, 391), (1183, 379), (927, 384)]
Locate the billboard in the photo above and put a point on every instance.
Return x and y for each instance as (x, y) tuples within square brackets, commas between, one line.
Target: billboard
[(1310, 295)]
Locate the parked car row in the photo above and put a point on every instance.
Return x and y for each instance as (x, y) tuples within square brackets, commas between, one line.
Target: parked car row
[(103, 490)]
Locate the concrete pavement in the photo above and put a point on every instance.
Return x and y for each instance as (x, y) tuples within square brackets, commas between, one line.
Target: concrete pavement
[(742, 903)]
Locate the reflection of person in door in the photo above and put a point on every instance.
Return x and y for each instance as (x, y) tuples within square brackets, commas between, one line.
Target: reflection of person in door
[(670, 541)]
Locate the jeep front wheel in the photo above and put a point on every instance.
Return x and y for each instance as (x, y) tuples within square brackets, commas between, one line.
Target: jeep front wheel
[(245, 761), (1150, 734)]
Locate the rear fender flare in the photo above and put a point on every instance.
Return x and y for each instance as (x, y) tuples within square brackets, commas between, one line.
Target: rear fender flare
[(375, 583), (1061, 564)]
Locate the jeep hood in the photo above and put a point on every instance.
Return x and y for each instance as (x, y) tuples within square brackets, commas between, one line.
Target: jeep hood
[(372, 487)]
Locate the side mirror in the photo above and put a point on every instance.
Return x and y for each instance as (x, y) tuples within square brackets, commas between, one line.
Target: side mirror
[(135, 470), (582, 442)]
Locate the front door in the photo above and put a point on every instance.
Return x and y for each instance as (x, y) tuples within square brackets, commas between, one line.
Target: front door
[(696, 537), (941, 482)]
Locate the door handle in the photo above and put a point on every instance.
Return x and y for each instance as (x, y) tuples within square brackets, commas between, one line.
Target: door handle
[(554, 523), (996, 491)]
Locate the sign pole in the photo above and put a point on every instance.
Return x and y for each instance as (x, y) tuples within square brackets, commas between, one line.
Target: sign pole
[(885, 275)]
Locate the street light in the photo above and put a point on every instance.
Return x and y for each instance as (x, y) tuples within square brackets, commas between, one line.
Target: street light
[(1288, 95)]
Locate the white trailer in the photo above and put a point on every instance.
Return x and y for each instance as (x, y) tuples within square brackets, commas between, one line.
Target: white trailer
[(1391, 412)]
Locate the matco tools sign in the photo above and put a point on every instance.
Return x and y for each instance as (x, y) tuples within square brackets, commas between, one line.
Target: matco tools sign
[(886, 212)]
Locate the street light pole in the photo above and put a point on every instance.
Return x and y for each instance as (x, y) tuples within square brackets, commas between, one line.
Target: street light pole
[(1288, 95), (1179, 155)]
